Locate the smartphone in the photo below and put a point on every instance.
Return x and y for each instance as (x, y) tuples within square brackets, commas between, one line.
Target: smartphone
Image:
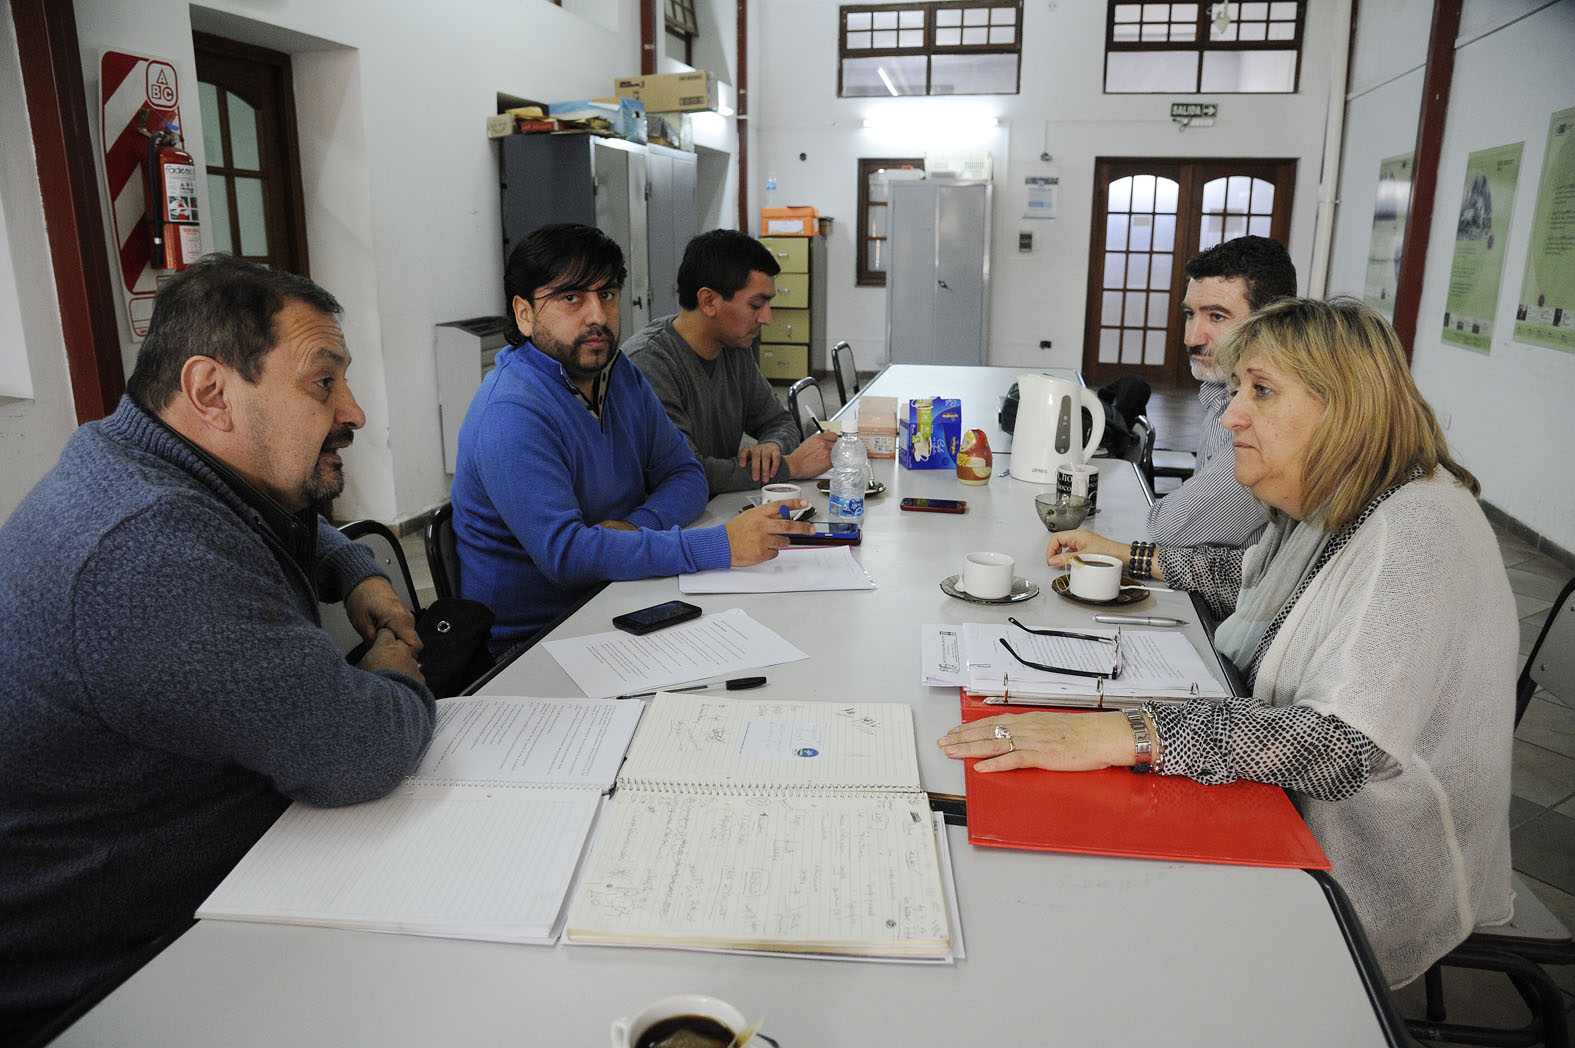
[(935, 505), (657, 616), (829, 534)]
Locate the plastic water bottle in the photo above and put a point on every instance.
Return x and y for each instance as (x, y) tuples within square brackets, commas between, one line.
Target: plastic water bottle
[(849, 478)]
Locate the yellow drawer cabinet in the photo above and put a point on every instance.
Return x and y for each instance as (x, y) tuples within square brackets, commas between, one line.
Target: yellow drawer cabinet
[(794, 343), (784, 363)]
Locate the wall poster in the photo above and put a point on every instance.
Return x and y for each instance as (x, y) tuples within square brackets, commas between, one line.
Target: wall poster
[(1478, 270), (1389, 214), (1546, 313)]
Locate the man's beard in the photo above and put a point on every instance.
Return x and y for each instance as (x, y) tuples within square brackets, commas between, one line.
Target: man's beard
[(328, 478), (569, 354)]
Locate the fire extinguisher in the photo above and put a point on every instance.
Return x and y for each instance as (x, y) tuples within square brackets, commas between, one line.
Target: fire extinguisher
[(172, 201)]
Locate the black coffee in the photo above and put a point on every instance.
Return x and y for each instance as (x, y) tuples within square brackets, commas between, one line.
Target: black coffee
[(686, 1031)]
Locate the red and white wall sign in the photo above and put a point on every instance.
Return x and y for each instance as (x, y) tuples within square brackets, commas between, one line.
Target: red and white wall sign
[(138, 96)]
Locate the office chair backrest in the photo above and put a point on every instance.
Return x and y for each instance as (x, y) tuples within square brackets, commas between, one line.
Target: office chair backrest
[(1551, 664), (805, 402), (391, 558), (847, 374), (1141, 450), (443, 551)]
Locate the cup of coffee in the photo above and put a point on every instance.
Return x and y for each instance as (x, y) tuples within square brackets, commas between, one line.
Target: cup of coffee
[(1097, 577), (986, 575), (685, 1020), (777, 492)]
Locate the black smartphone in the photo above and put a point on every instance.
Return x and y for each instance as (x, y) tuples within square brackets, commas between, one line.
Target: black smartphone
[(935, 505), (657, 616), (830, 533)]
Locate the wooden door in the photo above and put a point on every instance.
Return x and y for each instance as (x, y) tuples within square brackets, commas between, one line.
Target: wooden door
[(1149, 217)]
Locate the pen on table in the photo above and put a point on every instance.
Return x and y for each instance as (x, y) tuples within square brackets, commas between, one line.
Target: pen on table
[(816, 423), (736, 684), (1140, 620)]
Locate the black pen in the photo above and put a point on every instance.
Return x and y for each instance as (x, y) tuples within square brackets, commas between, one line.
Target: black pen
[(816, 421), (736, 684)]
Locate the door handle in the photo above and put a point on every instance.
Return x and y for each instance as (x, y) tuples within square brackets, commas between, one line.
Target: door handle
[(942, 283)]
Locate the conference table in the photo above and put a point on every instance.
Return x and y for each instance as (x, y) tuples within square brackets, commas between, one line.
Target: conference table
[(1058, 948)]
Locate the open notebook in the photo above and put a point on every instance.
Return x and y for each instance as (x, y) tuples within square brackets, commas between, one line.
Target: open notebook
[(481, 842), (757, 824)]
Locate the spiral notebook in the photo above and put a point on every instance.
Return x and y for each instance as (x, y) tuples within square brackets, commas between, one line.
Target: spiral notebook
[(480, 842), (757, 824)]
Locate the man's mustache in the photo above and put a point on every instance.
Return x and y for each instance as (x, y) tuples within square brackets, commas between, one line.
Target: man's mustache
[(342, 437)]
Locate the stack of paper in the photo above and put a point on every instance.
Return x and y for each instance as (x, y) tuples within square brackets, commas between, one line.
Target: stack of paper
[(480, 843)]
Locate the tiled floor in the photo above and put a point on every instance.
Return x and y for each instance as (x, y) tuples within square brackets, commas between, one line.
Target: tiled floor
[(1542, 813)]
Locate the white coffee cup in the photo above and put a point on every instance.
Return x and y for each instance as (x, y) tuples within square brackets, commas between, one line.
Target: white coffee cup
[(987, 575), (1097, 578), (626, 1032), (777, 492)]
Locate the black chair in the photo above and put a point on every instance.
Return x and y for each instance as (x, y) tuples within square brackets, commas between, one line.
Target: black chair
[(1535, 936), (1141, 452), (805, 402), (391, 557), (847, 374), (443, 551)]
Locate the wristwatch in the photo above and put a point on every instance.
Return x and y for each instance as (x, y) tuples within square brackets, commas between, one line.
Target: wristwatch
[(1143, 741)]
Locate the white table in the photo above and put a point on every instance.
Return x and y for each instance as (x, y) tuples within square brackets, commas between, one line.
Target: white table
[(1062, 949), (981, 390)]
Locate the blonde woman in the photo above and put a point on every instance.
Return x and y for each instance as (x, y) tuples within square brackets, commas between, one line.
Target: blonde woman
[(1373, 623)]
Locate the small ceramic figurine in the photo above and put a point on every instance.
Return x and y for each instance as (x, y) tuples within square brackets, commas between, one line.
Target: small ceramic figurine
[(973, 458)]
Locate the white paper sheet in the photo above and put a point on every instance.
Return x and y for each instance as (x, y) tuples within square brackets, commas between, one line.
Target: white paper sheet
[(719, 645), (794, 570)]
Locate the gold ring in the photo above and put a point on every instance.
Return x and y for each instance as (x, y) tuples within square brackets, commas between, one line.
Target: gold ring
[(1011, 745)]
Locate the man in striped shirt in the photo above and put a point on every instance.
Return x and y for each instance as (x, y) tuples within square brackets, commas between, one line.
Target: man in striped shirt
[(1224, 284)]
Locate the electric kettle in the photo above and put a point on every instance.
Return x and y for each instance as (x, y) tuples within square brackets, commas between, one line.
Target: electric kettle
[(1049, 430)]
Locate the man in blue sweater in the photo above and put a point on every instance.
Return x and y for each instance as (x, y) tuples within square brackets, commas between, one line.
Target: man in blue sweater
[(166, 687), (570, 473)]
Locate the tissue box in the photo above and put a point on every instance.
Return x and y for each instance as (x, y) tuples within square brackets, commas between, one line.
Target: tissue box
[(928, 432), (878, 426)]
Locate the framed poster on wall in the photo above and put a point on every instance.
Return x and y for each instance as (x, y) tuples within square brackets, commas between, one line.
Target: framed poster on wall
[(1486, 204), (1390, 208), (1545, 315)]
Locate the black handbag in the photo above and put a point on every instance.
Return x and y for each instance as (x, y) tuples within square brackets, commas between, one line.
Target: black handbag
[(454, 651)]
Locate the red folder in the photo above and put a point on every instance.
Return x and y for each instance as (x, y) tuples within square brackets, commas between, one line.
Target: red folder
[(1117, 812)]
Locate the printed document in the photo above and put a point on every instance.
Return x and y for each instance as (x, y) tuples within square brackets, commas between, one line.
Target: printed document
[(794, 570), (718, 645)]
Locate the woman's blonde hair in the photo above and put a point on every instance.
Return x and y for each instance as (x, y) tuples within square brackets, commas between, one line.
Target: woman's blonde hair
[(1376, 428)]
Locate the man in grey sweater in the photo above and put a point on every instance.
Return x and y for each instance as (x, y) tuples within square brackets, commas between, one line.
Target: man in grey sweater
[(166, 687), (701, 364)]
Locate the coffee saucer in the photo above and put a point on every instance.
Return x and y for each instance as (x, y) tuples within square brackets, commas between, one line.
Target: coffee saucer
[(874, 491), (1022, 590), (1132, 591)]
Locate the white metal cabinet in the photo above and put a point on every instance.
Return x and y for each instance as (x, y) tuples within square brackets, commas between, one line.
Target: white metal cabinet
[(938, 277)]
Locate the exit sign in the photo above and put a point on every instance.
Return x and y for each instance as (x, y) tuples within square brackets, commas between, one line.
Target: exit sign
[(1184, 110)]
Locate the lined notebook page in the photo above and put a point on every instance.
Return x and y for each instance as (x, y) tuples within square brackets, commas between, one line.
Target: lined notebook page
[(729, 743), (428, 860), (826, 874), (561, 742)]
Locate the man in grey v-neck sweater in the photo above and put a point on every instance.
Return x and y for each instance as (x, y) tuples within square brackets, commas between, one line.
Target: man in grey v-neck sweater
[(701, 364)]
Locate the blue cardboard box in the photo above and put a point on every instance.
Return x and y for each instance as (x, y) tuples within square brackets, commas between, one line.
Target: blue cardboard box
[(928, 432)]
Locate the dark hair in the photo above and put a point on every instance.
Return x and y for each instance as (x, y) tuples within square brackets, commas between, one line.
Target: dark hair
[(1262, 264), (221, 307), (561, 256), (722, 261)]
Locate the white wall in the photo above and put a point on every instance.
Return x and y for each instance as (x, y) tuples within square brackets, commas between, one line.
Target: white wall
[(1508, 412), (1061, 108), (33, 428), (403, 214)]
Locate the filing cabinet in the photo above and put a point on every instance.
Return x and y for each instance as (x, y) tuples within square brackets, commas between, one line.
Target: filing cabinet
[(795, 342)]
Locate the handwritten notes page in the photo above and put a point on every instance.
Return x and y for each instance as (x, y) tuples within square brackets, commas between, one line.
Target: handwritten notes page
[(481, 843), (813, 874), (793, 570), (618, 663), (768, 825), (698, 740)]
